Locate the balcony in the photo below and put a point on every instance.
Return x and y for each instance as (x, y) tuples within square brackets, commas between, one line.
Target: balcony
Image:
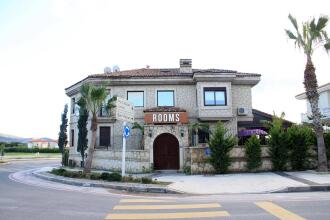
[(325, 114)]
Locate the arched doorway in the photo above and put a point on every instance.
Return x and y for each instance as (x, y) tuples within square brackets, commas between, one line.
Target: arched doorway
[(166, 152)]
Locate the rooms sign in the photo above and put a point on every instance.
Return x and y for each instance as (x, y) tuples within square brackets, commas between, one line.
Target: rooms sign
[(166, 117)]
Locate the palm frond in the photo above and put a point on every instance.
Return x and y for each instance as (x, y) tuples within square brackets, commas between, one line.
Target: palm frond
[(327, 46), (290, 34), (322, 23), (110, 104), (294, 22), (136, 125)]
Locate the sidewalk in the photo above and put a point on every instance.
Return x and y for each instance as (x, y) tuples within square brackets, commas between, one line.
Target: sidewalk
[(267, 182)]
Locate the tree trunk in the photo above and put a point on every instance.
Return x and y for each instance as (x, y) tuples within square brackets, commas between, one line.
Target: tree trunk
[(196, 137), (310, 83), (89, 159)]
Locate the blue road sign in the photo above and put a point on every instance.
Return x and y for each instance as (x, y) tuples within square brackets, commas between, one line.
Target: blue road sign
[(126, 131), (207, 151)]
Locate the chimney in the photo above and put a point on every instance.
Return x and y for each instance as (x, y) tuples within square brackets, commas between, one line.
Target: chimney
[(185, 66)]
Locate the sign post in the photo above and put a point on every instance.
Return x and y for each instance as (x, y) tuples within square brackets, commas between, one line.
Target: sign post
[(126, 132), (125, 113)]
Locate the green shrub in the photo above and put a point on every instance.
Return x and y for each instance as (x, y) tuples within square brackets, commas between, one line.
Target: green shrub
[(58, 171), (220, 145), (253, 153), (300, 139), (2, 150), (110, 176), (25, 149), (187, 170), (94, 176), (129, 179), (65, 157), (146, 180), (67, 173), (278, 143)]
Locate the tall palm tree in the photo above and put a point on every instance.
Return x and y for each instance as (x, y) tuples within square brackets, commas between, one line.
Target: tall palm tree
[(311, 36), (92, 99)]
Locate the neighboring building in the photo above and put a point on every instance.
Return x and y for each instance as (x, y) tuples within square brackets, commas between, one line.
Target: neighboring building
[(166, 102), (324, 105), (258, 118), (42, 143)]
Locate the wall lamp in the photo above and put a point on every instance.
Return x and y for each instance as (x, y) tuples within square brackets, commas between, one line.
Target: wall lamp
[(182, 131), (150, 132)]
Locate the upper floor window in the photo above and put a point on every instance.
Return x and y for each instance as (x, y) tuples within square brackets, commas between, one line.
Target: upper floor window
[(103, 112), (215, 96), (73, 105), (72, 138), (136, 97), (165, 98)]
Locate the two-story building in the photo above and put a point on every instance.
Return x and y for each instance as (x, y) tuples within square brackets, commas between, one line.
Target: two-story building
[(167, 101), (324, 105)]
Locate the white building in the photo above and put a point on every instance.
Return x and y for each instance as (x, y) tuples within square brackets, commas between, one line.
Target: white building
[(324, 104), (41, 143)]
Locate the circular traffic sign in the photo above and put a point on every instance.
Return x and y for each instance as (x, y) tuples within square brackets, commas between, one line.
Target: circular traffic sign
[(126, 131)]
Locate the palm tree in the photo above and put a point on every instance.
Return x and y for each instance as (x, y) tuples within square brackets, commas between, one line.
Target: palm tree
[(92, 99), (310, 37)]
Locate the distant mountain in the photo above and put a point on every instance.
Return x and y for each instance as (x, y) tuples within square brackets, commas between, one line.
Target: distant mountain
[(12, 138)]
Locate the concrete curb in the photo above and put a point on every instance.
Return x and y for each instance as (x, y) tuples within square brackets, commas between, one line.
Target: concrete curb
[(144, 188), (312, 188)]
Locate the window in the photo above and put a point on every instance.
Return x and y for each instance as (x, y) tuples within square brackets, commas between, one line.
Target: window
[(165, 98), (73, 105), (215, 96), (103, 111), (203, 136), (72, 137), (136, 97), (104, 136)]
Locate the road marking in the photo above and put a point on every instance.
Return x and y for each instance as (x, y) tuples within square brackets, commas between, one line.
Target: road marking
[(140, 200), (278, 211), (154, 207), (168, 215)]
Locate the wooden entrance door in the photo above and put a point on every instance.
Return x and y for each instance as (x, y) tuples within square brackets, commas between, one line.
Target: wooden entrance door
[(166, 152)]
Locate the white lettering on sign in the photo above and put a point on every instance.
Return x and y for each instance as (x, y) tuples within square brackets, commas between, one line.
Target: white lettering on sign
[(171, 117), (165, 117)]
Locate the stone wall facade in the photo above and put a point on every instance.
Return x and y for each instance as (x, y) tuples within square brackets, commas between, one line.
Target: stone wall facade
[(137, 161)]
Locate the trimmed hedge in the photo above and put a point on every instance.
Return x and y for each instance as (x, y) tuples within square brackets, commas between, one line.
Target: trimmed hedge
[(111, 177), (24, 149)]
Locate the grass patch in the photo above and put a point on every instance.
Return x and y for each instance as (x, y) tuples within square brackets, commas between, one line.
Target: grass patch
[(105, 176)]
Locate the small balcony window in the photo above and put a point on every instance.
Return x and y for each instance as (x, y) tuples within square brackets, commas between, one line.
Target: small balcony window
[(165, 98), (215, 96), (136, 97)]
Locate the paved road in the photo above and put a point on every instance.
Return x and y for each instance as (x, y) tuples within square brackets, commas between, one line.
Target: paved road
[(38, 199)]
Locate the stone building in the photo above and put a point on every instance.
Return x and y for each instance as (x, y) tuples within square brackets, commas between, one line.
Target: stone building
[(167, 102)]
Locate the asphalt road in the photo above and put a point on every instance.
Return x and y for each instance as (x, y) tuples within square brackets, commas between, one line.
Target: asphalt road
[(38, 199)]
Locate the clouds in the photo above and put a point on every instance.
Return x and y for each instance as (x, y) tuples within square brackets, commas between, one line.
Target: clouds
[(49, 45)]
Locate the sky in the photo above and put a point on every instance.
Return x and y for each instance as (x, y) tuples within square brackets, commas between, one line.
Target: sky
[(46, 46)]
